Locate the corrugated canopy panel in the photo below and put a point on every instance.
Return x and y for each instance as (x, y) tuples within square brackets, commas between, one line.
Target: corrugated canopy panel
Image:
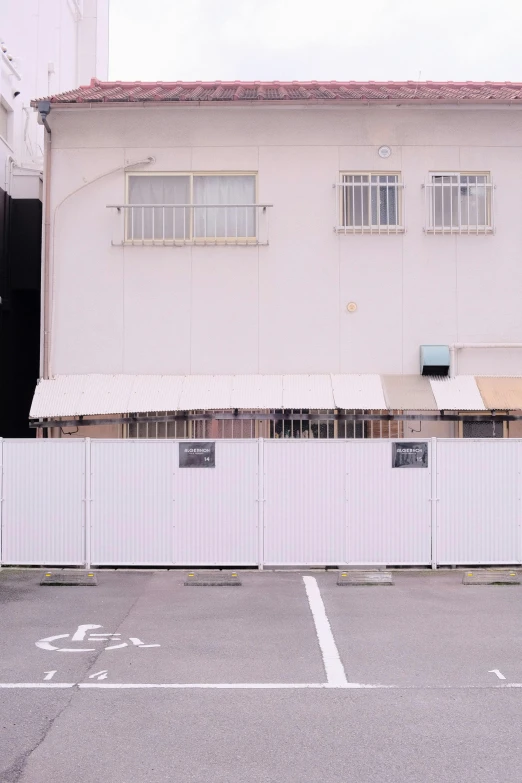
[(82, 395), (88, 395), (457, 394), (501, 393), (408, 393), (308, 391), (358, 392), (206, 392), (257, 391)]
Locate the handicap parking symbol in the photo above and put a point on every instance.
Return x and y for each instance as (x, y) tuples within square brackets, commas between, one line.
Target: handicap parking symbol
[(83, 634)]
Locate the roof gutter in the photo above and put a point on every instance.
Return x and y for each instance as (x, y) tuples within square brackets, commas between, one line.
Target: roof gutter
[(44, 107)]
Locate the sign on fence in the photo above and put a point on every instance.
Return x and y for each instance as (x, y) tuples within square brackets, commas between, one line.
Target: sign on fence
[(410, 455), (197, 455)]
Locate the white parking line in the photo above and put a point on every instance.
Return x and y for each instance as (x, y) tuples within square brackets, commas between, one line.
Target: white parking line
[(333, 666), (250, 686)]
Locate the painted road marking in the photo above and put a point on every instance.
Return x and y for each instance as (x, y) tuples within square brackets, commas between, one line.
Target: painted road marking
[(99, 675), (333, 666), (50, 675), (79, 636), (499, 674)]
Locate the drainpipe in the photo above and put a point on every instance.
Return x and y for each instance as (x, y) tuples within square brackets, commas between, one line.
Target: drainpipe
[(44, 107), (458, 346)]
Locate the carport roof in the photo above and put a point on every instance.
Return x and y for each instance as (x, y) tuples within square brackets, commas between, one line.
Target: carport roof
[(88, 395)]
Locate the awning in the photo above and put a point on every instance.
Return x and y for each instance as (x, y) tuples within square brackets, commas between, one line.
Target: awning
[(91, 395)]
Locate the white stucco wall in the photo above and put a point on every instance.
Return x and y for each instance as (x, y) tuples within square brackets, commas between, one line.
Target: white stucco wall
[(54, 48), (282, 308)]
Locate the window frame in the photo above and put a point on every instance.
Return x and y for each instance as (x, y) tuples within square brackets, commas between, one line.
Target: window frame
[(8, 125), (192, 238), (461, 227), (371, 228)]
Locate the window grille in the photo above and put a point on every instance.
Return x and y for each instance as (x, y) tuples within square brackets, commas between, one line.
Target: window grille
[(370, 203), (459, 203), (180, 209), (215, 429)]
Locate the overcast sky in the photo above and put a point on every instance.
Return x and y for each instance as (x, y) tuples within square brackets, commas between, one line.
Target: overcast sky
[(167, 40)]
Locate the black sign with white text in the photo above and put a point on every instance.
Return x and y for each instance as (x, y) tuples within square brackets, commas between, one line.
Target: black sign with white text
[(197, 455), (410, 455)]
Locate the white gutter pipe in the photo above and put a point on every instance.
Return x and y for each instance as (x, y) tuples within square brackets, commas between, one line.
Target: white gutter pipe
[(459, 346)]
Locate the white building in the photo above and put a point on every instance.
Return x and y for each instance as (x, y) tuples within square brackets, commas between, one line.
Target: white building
[(282, 248), (44, 47)]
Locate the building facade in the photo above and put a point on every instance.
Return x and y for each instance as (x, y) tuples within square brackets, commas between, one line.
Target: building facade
[(44, 47), (298, 250)]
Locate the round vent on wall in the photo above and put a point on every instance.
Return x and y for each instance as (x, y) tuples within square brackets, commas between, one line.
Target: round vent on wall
[(385, 152)]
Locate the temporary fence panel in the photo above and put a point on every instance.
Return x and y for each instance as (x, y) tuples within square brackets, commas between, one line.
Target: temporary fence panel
[(388, 503), (43, 509), (132, 499), (479, 502), (304, 502), (247, 502), (216, 507)]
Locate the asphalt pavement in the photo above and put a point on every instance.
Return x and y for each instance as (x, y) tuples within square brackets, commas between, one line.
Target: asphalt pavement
[(142, 679)]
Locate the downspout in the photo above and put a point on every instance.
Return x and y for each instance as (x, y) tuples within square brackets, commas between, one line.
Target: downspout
[(44, 107), (458, 346)]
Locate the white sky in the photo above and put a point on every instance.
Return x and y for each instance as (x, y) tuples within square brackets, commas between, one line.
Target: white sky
[(459, 40)]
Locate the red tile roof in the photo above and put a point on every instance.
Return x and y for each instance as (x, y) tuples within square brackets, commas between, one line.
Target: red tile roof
[(422, 92)]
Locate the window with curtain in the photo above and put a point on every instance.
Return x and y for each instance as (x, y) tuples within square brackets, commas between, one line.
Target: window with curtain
[(370, 200), (191, 206), (4, 114), (459, 201)]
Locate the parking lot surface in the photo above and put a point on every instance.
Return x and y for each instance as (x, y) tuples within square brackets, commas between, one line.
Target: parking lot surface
[(286, 678)]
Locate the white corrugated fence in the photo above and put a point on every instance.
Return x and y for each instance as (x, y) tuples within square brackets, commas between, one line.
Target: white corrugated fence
[(260, 502)]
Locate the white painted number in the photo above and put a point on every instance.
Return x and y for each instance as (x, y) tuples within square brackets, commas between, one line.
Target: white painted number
[(49, 675), (499, 674)]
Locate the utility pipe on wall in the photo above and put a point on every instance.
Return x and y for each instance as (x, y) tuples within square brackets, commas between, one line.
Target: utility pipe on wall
[(458, 346)]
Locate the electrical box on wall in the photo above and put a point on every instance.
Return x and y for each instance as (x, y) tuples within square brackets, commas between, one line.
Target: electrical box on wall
[(434, 359)]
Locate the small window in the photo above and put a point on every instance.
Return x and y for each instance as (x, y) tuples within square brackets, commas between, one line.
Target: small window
[(370, 202), (191, 207), (4, 119), (459, 203)]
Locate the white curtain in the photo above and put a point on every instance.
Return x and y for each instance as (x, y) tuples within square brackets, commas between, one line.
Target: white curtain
[(159, 222), (226, 221)]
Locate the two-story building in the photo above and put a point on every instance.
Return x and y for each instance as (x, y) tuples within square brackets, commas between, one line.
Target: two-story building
[(282, 260)]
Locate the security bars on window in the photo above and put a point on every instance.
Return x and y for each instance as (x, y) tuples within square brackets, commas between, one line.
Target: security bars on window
[(459, 203), (265, 428), (182, 209), (370, 203)]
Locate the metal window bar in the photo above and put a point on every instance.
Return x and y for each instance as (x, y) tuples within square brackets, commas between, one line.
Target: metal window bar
[(459, 204), (296, 428), (370, 203), (182, 224)]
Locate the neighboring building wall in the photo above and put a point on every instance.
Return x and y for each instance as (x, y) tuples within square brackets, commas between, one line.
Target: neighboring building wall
[(54, 46), (281, 308)]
